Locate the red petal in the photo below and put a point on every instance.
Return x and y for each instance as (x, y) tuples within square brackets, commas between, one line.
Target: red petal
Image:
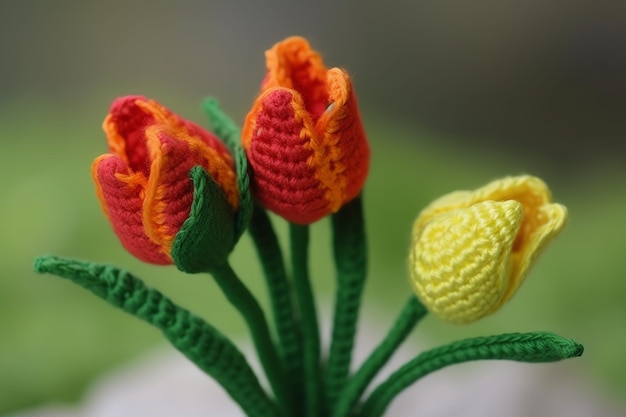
[(278, 138), (122, 202), (125, 127), (292, 64)]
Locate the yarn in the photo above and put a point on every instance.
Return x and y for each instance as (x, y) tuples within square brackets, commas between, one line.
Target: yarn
[(225, 129), (521, 347), (412, 312), (303, 136), (204, 345), (203, 245), (285, 313), (242, 299), (206, 238), (313, 389), (350, 256), (471, 251), (143, 186), (175, 193)]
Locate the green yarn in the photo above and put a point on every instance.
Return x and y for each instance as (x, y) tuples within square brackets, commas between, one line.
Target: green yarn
[(521, 347), (299, 238), (412, 312), (350, 254), (243, 300), (204, 345), (235, 291), (279, 287), (225, 129), (222, 125), (293, 366), (206, 238)]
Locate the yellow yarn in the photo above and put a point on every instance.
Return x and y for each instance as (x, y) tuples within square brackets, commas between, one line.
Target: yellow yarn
[(471, 250)]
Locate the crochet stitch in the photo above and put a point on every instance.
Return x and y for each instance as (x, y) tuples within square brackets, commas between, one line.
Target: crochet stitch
[(143, 186), (199, 341), (472, 250), (178, 194), (303, 136), (522, 347), (207, 237)]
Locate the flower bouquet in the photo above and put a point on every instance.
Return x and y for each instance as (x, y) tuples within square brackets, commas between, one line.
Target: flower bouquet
[(177, 194)]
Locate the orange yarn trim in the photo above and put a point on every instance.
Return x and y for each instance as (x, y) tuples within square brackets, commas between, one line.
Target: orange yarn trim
[(219, 164), (159, 192), (158, 148), (121, 195), (249, 124), (293, 64), (154, 205), (322, 104), (327, 147), (94, 175), (116, 142)]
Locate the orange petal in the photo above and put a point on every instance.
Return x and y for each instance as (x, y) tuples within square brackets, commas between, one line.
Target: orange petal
[(169, 191), (341, 155)]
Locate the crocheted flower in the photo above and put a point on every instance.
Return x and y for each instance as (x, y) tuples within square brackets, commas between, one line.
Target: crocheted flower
[(471, 250), (303, 136), (144, 184)]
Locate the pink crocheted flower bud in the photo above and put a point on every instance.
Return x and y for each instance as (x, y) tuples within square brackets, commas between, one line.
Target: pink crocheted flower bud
[(144, 186), (303, 136)]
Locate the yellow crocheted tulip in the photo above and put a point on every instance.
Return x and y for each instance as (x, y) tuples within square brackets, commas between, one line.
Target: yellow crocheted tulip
[(471, 250)]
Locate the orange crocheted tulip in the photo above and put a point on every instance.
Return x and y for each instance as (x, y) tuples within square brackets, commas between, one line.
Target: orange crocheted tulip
[(303, 136), (143, 185)]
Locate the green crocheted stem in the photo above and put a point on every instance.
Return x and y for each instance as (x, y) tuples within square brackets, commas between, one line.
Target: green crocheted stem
[(222, 125), (196, 339), (412, 312), (521, 347), (299, 237), (225, 129), (350, 253), (247, 305), (279, 287)]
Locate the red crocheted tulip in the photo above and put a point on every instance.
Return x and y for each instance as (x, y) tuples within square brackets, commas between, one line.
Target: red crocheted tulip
[(303, 136), (143, 185)]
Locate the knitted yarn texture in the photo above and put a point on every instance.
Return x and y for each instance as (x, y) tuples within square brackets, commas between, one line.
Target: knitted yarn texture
[(303, 136), (471, 250), (178, 194), (143, 185)]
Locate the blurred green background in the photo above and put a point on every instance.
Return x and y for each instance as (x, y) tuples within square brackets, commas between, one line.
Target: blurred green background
[(454, 94)]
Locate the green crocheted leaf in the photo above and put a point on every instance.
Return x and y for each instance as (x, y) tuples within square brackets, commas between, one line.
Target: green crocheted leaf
[(225, 129), (204, 345), (521, 347), (207, 237)]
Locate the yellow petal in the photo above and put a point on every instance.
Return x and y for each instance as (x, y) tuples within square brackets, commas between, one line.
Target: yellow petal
[(549, 220), (531, 191), (460, 259)]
